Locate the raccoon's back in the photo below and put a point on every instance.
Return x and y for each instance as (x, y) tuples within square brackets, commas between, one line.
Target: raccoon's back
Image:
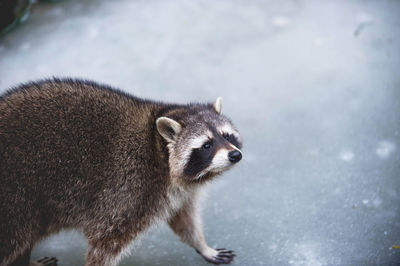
[(59, 138)]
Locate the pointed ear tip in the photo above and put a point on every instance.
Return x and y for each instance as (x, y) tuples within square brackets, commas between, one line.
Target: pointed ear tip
[(218, 105), (165, 121), (160, 120)]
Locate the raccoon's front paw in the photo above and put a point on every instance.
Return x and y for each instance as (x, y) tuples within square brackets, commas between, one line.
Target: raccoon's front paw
[(218, 256), (45, 261)]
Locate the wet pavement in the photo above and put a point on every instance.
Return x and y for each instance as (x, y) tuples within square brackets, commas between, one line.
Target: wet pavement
[(313, 86)]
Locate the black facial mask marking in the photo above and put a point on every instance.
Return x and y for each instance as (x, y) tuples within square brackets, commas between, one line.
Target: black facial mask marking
[(232, 139), (200, 159)]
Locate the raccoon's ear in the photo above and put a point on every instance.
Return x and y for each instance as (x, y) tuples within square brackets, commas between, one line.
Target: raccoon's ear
[(218, 105), (168, 128)]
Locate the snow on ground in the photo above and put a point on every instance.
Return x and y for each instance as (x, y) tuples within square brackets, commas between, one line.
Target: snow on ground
[(312, 85)]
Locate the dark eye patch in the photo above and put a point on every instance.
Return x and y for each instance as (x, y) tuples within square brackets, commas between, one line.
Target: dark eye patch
[(200, 159), (232, 139)]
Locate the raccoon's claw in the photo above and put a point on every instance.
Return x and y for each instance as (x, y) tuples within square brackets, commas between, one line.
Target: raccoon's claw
[(223, 256), (45, 261)]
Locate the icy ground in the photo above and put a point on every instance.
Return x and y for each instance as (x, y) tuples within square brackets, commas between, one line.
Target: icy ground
[(314, 87)]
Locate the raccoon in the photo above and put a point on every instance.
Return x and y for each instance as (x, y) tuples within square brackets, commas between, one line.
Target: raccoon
[(75, 154)]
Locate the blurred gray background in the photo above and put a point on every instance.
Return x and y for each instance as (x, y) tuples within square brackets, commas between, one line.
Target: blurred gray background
[(313, 86)]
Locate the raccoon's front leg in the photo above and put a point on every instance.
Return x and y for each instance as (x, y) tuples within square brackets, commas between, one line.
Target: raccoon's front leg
[(187, 224)]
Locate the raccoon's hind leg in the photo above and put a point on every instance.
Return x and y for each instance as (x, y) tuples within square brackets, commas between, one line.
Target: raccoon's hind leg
[(22, 260), (105, 250), (186, 223)]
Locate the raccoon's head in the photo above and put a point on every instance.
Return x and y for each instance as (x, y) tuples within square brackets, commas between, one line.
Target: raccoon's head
[(201, 141)]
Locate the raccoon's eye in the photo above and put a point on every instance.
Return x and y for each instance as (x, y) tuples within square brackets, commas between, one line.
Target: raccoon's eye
[(207, 145)]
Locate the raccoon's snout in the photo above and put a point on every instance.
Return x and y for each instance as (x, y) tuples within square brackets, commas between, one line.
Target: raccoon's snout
[(234, 156)]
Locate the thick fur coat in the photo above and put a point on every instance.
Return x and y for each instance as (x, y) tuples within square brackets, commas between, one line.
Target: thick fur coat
[(75, 154)]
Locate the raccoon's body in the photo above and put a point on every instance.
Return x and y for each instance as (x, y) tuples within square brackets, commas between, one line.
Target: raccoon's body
[(75, 154)]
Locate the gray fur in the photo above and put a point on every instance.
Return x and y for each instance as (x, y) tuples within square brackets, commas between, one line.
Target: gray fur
[(75, 154)]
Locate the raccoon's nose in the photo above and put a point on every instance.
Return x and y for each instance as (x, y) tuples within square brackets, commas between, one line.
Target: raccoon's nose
[(234, 156)]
